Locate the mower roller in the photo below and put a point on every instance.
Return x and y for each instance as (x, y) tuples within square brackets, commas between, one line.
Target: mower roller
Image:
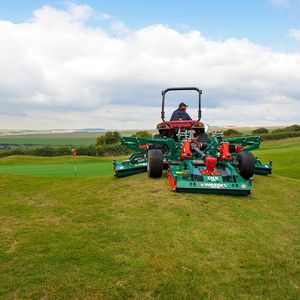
[(194, 162)]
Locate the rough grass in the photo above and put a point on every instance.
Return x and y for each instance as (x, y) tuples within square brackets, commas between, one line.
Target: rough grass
[(107, 238)]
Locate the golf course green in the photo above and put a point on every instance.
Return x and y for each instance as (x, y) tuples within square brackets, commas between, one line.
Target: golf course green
[(97, 237), (56, 166)]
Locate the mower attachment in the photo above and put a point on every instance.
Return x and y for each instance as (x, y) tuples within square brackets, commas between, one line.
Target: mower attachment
[(263, 169), (219, 166), (137, 163)]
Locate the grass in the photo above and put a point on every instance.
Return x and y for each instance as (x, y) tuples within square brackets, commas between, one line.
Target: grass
[(285, 154), (107, 238), (56, 166)]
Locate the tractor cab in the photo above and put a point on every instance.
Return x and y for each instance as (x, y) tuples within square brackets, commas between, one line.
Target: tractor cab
[(170, 129)]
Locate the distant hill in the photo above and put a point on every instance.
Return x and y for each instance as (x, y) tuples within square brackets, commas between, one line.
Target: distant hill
[(89, 130)]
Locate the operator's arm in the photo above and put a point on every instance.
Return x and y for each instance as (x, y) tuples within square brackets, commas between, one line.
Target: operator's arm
[(188, 116), (173, 115)]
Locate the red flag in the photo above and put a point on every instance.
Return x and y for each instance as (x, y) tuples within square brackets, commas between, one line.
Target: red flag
[(74, 153)]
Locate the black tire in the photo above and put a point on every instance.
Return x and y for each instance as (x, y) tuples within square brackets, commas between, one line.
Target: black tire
[(155, 163), (246, 164), (158, 136)]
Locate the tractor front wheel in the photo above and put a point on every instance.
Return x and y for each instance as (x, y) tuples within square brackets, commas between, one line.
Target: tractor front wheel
[(155, 163), (246, 164)]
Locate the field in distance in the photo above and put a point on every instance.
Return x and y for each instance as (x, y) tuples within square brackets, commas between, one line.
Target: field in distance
[(79, 138), (55, 139)]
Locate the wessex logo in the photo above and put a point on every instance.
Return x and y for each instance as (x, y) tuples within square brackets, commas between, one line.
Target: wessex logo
[(214, 185)]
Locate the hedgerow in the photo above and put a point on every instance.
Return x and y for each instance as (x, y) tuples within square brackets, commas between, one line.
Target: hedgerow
[(279, 135), (92, 150)]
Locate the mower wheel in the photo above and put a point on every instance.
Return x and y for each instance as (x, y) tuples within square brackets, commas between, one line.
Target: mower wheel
[(246, 164), (155, 163)]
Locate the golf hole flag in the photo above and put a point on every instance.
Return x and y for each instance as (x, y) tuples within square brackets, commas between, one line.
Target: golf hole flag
[(75, 163)]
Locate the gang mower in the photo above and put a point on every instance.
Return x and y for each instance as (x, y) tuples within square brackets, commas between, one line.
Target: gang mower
[(194, 162)]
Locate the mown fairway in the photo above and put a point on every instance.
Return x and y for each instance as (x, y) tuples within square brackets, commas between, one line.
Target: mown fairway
[(101, 237)]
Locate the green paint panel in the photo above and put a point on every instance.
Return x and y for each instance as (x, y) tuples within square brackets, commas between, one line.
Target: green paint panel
[(195, 181)]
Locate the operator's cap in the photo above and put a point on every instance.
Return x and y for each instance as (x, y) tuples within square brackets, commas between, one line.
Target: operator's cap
[(182, 104)]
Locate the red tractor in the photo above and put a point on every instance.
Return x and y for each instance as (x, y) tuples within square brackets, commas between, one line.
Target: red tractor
[(170, 128)]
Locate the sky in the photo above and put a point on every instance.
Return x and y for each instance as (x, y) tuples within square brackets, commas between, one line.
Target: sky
[(103, 64)]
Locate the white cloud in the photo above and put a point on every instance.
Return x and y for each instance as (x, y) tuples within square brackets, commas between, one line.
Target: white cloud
[(295, 33), (104, 16), (285, 3), (58, 71), (119, 27), (280, 2)]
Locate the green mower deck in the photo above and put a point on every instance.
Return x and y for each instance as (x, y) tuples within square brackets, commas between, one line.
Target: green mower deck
[(193, 174)]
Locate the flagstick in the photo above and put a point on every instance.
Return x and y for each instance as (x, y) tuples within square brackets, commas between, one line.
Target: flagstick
[(75, 161), (75, 166)]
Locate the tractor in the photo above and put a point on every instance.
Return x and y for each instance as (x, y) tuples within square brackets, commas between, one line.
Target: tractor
[(194, 161)]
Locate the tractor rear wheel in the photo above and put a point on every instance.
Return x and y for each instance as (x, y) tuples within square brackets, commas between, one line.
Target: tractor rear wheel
[(155, 163), (246, 164)]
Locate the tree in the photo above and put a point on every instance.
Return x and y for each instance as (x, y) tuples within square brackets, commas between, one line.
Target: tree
[(289, 128), (100, 140), (231, 132), (110, 137), (142, 134), (260, 130), (293, 128)]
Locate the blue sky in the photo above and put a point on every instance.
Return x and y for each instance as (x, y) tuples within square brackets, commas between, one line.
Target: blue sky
[(265, 22), (79, 64)]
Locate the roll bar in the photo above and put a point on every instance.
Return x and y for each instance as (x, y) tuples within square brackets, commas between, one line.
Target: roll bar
[(163, 93)]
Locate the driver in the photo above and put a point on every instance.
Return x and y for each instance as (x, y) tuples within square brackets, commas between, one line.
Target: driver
[(180, 113)]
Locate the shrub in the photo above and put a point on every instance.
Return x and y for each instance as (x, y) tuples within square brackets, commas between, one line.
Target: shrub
[(280, 135), (92, 150), (49, 151), (87, 150), (142, 134), (100, 140), (112, 150), (110, 137), (289, 128), (260, 130), (231, 132), (293, 128)]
